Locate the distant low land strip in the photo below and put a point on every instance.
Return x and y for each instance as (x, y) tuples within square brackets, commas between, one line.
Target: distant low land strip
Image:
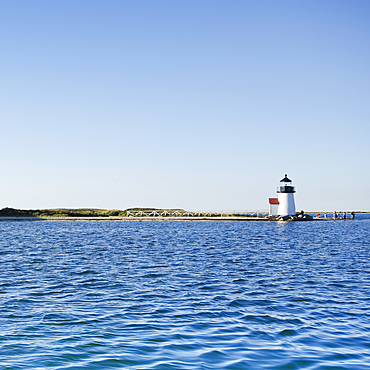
[(132, 214)]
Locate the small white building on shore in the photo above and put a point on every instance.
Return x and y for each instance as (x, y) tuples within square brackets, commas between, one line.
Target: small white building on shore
[(273, 206)]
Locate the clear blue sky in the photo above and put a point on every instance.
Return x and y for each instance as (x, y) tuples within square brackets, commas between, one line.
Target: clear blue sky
[(202, 105)]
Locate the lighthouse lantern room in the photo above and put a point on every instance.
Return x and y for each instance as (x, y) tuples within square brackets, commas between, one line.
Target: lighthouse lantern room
[(286, 197)]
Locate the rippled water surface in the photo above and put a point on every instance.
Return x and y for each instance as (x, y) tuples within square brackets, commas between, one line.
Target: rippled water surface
[(185, 295)]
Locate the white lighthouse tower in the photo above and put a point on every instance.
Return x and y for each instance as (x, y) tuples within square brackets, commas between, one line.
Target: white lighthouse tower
[(286, 197)]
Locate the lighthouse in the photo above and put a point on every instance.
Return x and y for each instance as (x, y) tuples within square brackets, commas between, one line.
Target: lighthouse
[(286, 197)]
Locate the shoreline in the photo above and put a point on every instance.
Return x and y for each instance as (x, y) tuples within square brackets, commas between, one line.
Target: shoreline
[(150, 219), (132, 219)]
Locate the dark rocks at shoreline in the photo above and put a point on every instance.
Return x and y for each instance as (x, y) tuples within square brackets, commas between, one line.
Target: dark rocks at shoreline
[(299, 217)]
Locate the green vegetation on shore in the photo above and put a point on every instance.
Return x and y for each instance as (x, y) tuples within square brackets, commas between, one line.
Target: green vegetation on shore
[(77, 212), (60, 212)]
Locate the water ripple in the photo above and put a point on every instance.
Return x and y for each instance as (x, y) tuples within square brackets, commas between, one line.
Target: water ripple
[(185, 295)]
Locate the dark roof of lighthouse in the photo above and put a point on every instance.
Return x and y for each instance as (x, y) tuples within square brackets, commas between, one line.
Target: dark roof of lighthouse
[(285, 179)]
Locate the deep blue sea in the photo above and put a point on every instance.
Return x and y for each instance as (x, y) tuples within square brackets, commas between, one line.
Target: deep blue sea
[(185, 295)]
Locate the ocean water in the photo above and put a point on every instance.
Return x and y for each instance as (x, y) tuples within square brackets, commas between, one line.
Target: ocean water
[(185, 295)]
